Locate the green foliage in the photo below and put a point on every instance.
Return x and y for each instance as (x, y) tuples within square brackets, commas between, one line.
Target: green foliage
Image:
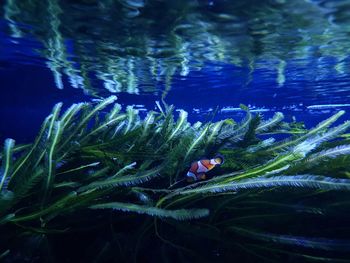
[(87, 159), (6, 164), (298, 181), (181, 214), (315, 243)]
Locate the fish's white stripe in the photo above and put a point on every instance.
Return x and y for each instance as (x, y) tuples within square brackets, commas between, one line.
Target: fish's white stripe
[(201, 168), (213, 161)]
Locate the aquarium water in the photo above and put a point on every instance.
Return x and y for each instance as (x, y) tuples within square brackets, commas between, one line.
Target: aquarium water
[(175, 131)]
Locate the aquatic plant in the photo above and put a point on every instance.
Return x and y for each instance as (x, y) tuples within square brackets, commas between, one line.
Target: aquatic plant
[(98, 170)]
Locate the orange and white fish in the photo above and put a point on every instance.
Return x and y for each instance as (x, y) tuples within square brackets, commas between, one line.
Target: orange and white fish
[(198, 169)]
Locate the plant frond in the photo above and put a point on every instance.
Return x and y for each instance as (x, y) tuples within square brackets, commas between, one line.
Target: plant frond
[(329, 154), (332, 133), (249, 136), (197, 125), (307, 242), (318, 129), (214, 130), (6, 164), (142, 196), (180, 214), (59, 205), (131, 114), (313, 142), (38, 143), (268, 124), (22, 188), (4, 253), (50, 161), (261, 145), (233, 132), (70, 113), (243, 126), (79, 168), (148, 121), (19, 148), (104, 103), (196, 141), (55, 112), (160, 108), (180, 123), (66, 184), (104, 126), (85, 118), (124, 169), (114, 112), (328, 122), (298, 181), (119, 128), (276, 164), (113, 181)]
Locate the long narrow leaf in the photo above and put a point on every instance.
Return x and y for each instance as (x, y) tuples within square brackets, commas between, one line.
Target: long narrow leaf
[(275, 120), (180, 214), (307, 242), (298, 181), (123, 180), (330, 154), (6, 163), (319, 128)]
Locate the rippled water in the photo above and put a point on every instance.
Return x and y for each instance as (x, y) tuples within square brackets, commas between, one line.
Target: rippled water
[(204, 56), (199, 55)]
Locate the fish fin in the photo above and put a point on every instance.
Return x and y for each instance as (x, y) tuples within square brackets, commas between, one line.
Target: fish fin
[(202, 176)]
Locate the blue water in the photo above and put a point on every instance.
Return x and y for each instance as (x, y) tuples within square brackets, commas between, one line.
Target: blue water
[(204, 56), (29, 95)]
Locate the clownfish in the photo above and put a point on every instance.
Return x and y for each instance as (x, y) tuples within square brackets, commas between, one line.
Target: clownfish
[(198, 169)]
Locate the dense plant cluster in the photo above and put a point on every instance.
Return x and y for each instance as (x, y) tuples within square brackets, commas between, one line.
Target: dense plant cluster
[(115, 183)]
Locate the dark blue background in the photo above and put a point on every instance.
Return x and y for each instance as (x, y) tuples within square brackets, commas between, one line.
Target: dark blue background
[(28, 94)]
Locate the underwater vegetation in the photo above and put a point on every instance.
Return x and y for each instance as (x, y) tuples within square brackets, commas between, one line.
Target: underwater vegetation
[(102, 184)]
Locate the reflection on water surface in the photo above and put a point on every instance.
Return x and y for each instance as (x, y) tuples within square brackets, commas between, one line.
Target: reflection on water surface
[(139, 46)]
